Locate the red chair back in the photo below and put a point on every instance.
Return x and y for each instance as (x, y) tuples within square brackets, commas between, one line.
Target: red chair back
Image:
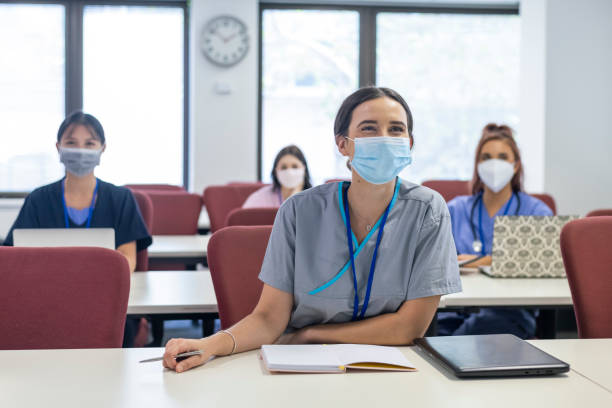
[(221, 200), (175, 212), (235, 278), (585, 246), (449, 189), (548, 200), (155, 187), (600, 213), (251, 216), (54, 298), (146, 211)]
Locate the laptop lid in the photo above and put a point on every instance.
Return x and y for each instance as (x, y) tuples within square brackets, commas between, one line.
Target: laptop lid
[(526, 246), (64, 237), (491, 355)]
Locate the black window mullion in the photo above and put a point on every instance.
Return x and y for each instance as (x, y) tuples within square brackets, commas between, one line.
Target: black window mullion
[(74, 56), (367, 47)]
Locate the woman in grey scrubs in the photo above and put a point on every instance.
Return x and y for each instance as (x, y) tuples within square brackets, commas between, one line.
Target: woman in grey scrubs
[(364, 261)]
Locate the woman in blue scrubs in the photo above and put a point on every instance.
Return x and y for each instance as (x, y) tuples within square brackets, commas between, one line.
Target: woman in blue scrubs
[(364, 261), (80, 200), (496, 190)]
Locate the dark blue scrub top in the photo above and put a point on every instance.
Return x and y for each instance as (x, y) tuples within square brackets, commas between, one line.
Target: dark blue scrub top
[(115, 208)]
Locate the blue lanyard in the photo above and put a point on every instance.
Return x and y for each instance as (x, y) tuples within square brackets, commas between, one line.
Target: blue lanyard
[(349, 236), (91, 207), (480, 231)]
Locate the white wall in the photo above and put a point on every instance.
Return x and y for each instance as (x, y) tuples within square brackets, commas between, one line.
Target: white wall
[(578, 141), (223, 128)]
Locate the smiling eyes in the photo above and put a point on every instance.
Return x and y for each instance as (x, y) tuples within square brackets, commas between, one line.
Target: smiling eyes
[(487, 156), (373, 129), (88, 144)]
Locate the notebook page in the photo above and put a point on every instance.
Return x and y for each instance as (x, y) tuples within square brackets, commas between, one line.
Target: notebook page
[(306, 357), (383, 357)]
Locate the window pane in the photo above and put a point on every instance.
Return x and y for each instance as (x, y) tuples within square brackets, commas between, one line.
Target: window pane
[(306, 74), (457, 73), (133, 83), (31, 94)]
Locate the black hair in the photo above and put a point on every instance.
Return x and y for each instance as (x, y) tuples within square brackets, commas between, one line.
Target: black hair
[(297, 153), (80, 118), (345, 113)]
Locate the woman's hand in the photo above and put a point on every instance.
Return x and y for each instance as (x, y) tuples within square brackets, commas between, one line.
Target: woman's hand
[(481, 262), (217, 344)]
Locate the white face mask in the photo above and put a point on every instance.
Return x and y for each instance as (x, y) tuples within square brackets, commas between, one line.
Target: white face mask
[(290, 178), (496, 173)]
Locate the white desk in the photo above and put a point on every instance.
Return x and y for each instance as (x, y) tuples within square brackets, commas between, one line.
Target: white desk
[(590, 357), (114, 378), (480, 290), (172, 292), (178, 246)]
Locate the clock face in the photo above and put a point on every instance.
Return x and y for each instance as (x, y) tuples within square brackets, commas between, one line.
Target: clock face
[(224, 40)]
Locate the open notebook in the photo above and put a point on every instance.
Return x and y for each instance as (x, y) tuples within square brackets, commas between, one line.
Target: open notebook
[(333, 358)]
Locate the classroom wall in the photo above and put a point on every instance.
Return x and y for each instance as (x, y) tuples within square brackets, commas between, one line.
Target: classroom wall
[(578, 139), (223, 127)]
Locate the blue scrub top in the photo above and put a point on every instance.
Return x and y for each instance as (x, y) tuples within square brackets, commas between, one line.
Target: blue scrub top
[(115, 208), (460, 210)]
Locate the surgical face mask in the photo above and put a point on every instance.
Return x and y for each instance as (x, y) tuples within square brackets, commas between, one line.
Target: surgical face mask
[(495, 173), (79, 162), (290, 178), (380, 159)]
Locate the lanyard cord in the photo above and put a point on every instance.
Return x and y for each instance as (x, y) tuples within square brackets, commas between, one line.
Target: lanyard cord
[(349, 237), (480, 211), (91, 207)]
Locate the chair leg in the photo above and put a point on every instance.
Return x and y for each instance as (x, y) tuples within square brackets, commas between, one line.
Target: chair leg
[(157, 324), (208, 326)]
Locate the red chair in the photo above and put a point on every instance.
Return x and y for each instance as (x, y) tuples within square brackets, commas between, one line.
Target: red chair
[(235, 278), (62, 298), (175, 212), (146, 211), (600, 213), (251, 216), (449, 189), (155, 187), (585, 246), (548, 200), (221, 200)]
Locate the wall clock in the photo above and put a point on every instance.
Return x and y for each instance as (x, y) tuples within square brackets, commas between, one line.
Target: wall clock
[(224, 40)]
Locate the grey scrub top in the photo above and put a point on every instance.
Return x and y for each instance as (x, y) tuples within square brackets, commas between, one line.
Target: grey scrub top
[(308, 250)]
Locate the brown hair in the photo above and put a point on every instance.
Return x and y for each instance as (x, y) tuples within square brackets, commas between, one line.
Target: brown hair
[(504, 133)]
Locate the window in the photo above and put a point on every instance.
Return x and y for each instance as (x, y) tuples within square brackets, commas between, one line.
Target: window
[(457, 72), (133, 83), (56, 58), (306, 73), (31, 94), (458, 69)]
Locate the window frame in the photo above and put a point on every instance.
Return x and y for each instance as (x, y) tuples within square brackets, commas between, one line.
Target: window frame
[(73, 60), (368, 13)]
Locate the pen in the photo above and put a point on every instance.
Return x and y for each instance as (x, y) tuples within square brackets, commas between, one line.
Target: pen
[(179, 357)]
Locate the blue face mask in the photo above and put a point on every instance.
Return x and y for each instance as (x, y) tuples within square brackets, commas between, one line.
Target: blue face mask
[(380, 159)]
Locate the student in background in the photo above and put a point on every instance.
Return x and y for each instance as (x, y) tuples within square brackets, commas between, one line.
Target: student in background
[(496, 190), (289, 176), (80, 200), (364, 261)]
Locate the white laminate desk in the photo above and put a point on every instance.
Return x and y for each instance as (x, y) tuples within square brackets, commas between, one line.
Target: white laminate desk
[(590, 357), (189, 249), (114, 378), (480, 290), (172, 292)]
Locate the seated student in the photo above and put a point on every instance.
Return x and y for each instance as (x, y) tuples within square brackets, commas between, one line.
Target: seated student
[(289, 176), (496, 190), (364, 261), (80, 200)]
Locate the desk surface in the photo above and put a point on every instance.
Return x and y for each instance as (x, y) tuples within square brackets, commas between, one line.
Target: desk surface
[(114, 378), (179, 246), (172, 292), (482, 290), (593, 362)]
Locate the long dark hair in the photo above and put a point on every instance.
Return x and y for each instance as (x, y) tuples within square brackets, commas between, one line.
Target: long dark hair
[(297, 153), (80, 118), (345, 113), (504, 133)]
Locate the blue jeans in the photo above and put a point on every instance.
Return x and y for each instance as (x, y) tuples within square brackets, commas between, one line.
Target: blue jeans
[(520, 322)]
